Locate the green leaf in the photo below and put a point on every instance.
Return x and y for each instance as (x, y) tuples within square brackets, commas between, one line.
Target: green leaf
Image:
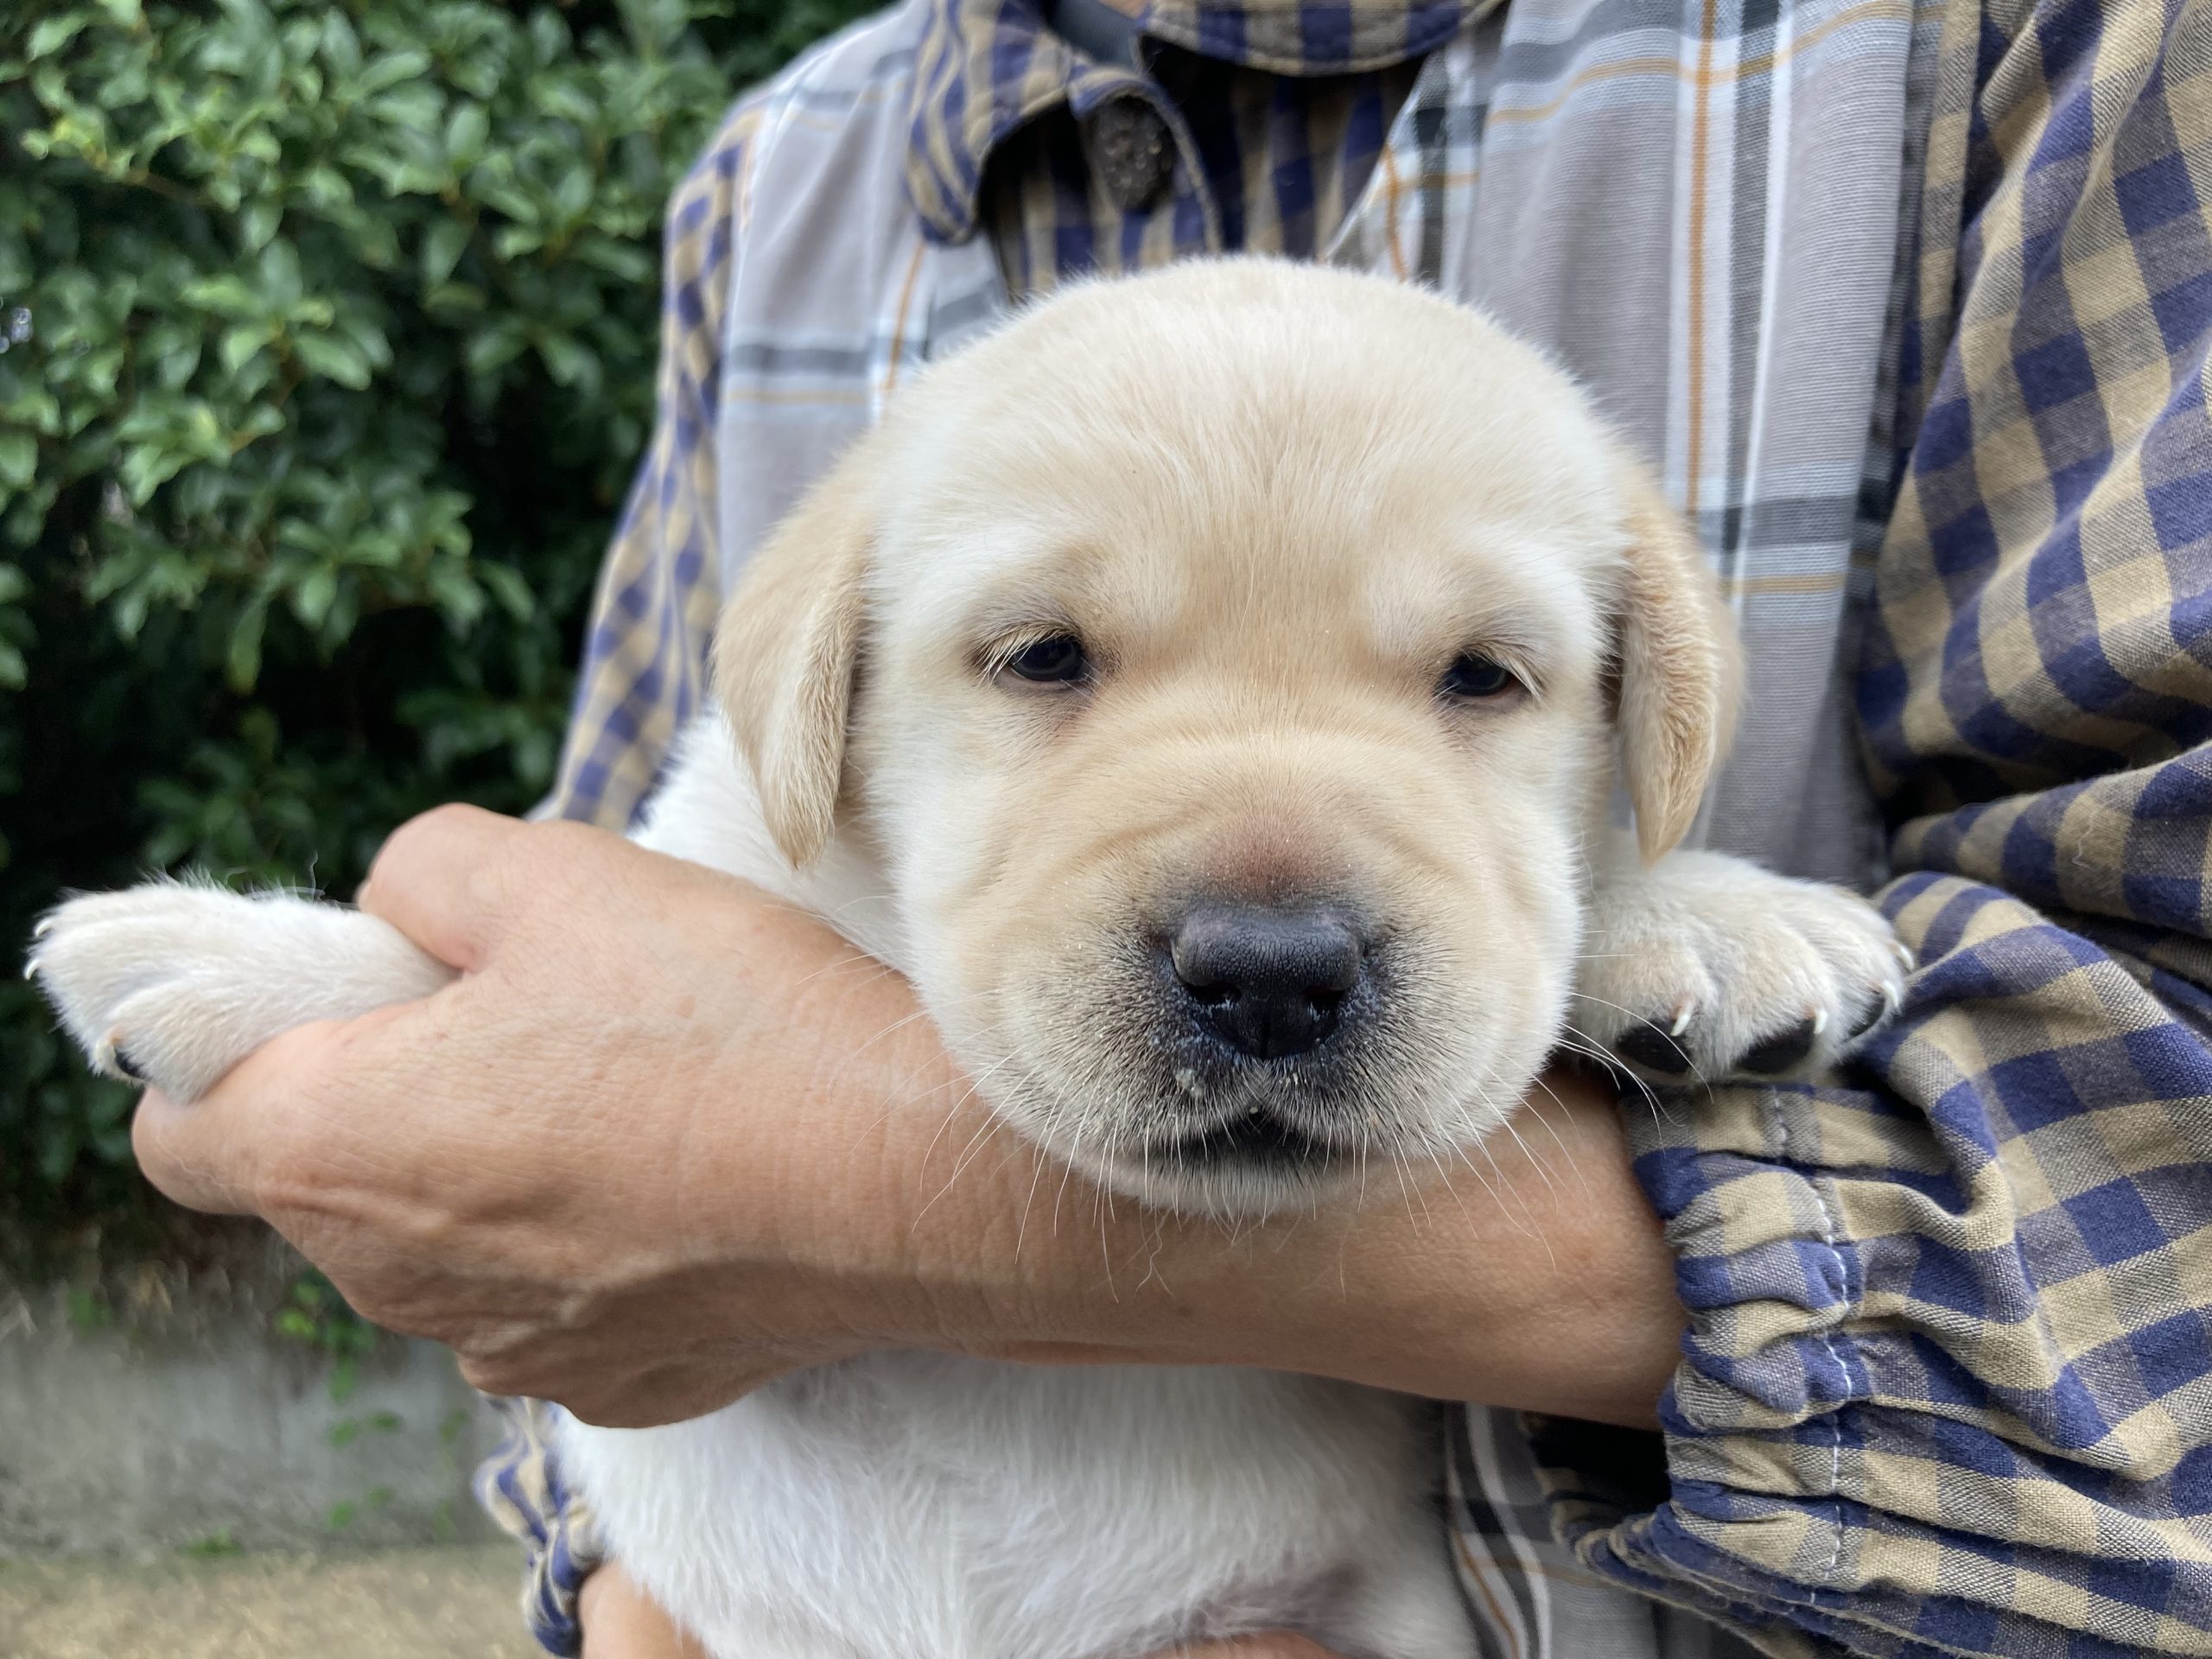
[(456, 594), (18, 458), (507, 587), (280, 276), (341, 47), (257, 223), (572, 195), (565, 360), (466, 130), (242, 661), (442, 246), (493, 349), (241, 344), (191, 501), (146, 467), (226, 295), (55, 33), (334, 359), (390, 69), (311, 598)]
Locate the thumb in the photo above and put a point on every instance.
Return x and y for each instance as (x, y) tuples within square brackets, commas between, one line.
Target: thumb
[(188, 1163), (439, 880), (213, 1153)]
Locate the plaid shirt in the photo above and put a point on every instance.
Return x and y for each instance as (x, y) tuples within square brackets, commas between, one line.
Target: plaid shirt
[(1947, 1385)]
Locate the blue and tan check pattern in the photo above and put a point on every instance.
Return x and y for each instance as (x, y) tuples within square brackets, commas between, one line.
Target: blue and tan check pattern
[(645, 652), (1950, 1378), (1277, 115), (1947, 1386), (519, 1487)]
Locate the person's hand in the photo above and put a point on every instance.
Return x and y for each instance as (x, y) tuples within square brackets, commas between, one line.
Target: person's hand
[(668, 1138), (620, 1621)]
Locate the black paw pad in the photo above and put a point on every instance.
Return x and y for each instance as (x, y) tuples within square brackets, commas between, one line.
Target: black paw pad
[(1782, 1050), (1651, 1047)]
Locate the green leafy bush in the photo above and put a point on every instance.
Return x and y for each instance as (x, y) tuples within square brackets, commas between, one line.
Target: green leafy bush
[(327, 335)]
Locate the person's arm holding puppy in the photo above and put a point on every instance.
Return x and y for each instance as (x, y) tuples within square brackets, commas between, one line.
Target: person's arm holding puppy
[(669, 1138)]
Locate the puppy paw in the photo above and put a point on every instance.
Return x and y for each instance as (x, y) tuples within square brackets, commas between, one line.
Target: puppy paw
[(1705, 967), (173, 985)]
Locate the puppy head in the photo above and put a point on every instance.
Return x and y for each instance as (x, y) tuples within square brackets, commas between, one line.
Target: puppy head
[(1228, 667)]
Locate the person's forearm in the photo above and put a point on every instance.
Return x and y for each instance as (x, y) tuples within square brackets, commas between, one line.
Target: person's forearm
[(1529, 1273), (667, 1138)]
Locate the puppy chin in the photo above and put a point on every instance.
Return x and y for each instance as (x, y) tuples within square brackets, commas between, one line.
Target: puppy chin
[(1226, 1188), (1251, 1168)]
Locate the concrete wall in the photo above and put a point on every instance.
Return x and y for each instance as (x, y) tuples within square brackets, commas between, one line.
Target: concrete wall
[(117, 1441)]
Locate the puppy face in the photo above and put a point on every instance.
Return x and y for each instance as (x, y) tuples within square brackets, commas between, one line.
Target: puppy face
[(1226, 667)]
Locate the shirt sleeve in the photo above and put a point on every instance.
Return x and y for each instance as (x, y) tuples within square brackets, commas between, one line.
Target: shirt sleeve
[(660, 589), (645, 653), (1947, 1387), (520, 1487)]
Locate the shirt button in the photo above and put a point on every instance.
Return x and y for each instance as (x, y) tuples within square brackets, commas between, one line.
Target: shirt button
[(1130, 150)]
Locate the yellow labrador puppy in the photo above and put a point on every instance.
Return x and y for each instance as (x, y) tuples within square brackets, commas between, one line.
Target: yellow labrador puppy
[(1209, 689)]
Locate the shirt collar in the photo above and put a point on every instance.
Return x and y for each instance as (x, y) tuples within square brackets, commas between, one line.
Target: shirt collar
[(986, 67)]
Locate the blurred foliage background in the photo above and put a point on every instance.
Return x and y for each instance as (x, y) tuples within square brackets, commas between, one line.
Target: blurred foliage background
[(326, 340)]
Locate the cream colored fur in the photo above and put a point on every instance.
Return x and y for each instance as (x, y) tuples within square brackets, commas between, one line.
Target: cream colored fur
[(1274, 502)]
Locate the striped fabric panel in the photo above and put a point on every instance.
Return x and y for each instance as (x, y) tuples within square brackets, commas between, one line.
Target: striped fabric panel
[(1638, 186), (1528, 1595)]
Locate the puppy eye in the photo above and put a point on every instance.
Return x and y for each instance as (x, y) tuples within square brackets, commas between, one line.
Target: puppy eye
[(1057, 659), (1474, 677)]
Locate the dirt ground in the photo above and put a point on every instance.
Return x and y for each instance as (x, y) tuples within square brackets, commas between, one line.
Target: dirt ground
[(404, 1604)]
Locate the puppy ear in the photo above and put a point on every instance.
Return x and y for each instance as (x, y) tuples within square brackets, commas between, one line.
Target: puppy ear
[(1680, 667), (786, 649)]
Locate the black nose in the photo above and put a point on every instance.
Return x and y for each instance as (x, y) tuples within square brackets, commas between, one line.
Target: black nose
[(1267, 982)]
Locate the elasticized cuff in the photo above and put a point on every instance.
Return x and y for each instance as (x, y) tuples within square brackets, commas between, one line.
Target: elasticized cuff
[(520, 1487)]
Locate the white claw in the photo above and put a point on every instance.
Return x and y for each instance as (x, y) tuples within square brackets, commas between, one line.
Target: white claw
[(42, 927), (1820, 1021), (30, 968), (1893, 994), (1904, 955), (1683, 1015)]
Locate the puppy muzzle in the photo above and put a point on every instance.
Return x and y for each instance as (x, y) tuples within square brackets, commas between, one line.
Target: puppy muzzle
[(1265, 1015)]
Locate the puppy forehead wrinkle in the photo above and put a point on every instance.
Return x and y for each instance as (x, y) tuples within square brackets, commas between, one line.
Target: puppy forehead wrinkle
[(1342, 472), (1523, 588), (969, 581)]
